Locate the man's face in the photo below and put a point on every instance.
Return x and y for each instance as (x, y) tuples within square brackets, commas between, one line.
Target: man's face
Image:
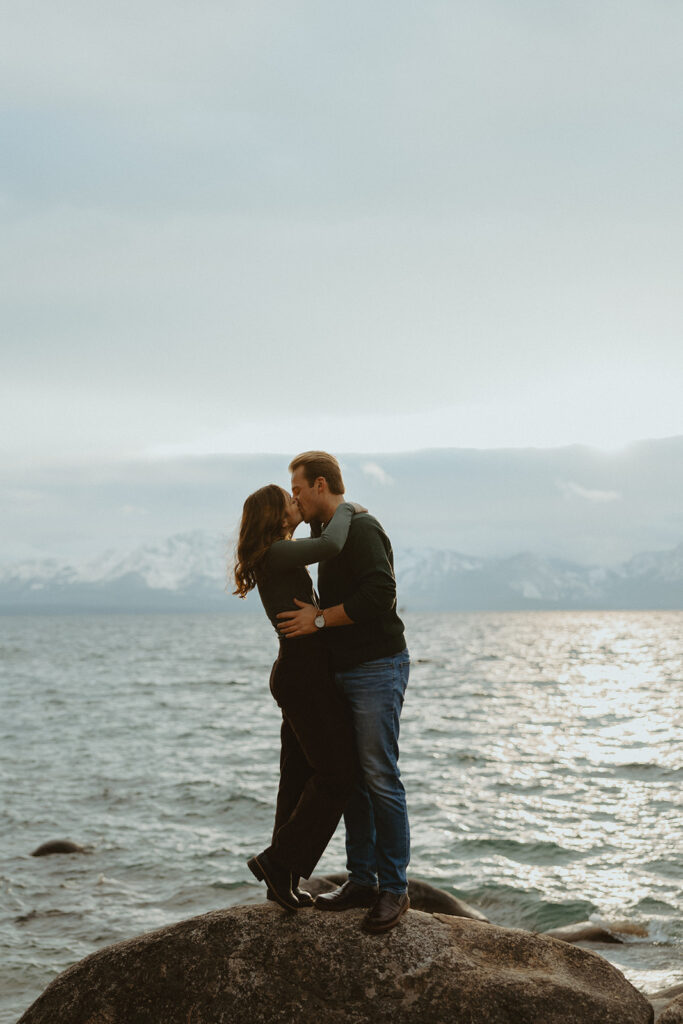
[(307, 497)]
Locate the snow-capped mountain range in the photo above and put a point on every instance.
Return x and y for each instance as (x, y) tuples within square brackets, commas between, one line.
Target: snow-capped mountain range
[(187, 572)]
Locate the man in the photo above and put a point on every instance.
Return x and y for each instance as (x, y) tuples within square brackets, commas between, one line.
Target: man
[(366, 639)]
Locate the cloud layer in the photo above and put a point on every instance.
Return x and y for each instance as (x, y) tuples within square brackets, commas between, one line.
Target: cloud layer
[(484, 503), (451, 224)]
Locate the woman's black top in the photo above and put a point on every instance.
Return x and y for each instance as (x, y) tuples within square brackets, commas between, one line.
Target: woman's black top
[(284, 575)]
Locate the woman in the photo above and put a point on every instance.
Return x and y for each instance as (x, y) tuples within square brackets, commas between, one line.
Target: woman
[(317, 758)]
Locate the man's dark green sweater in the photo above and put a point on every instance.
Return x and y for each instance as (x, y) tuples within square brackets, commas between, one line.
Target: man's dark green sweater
[(361, 577)]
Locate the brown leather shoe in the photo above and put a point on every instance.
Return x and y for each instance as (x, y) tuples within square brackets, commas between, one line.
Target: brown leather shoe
[(347, 896), (387, 911)]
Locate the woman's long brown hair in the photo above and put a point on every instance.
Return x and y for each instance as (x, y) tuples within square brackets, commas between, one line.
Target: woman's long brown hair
[(261, 526)]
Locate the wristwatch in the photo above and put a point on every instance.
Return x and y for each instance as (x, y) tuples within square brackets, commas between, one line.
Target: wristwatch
[(319, 620)]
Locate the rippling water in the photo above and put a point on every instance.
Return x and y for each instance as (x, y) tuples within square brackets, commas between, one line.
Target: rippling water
[(541, 754)]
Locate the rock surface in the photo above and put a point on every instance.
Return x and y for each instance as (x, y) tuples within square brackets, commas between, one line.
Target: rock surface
[(672, 1013), (423, 896), (260, 965)]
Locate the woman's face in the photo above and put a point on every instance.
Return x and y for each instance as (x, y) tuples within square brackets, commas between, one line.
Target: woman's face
[(292, 515)]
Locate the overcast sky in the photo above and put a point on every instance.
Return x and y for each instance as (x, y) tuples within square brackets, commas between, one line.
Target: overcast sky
[(367, 227)]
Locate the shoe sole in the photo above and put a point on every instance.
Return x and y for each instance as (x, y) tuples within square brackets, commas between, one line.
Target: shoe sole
[(386, 927), (257, 869)]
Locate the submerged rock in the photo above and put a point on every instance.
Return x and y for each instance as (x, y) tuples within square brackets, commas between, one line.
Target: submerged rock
[(260, 965), (57, 846), (423, 896)]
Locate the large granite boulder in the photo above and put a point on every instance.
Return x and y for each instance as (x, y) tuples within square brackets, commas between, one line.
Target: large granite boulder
[(261, 965), (423, 896)]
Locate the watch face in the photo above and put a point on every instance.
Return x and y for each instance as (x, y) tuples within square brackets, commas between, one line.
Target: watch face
[(320, 621)]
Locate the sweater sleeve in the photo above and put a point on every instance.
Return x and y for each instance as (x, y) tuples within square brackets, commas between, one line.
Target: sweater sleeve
[(375, 592), (289, 554)]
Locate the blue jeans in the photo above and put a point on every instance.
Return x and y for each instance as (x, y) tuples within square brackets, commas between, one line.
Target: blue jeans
[(376, 816)]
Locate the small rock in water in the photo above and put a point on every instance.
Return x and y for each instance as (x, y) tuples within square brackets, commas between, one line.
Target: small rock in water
[(423, 896), (583, 931), (57, 846), (628, 928), (669, 993)]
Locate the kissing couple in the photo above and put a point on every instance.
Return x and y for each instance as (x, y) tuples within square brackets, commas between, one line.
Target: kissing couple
[(339, 680)]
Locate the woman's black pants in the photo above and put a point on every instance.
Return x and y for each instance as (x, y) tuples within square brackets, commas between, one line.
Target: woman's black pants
[(318, 766)]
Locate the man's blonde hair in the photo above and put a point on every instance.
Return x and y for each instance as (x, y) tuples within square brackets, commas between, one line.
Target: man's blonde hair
[(315, 464)]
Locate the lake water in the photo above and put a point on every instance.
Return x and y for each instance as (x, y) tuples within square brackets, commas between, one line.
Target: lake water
[(541, 754)]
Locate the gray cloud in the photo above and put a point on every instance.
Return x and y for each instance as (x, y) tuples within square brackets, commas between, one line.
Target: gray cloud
[(375, 472), (572, 489)]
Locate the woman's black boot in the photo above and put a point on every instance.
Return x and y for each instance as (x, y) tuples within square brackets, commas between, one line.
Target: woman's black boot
[(277, 878)]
